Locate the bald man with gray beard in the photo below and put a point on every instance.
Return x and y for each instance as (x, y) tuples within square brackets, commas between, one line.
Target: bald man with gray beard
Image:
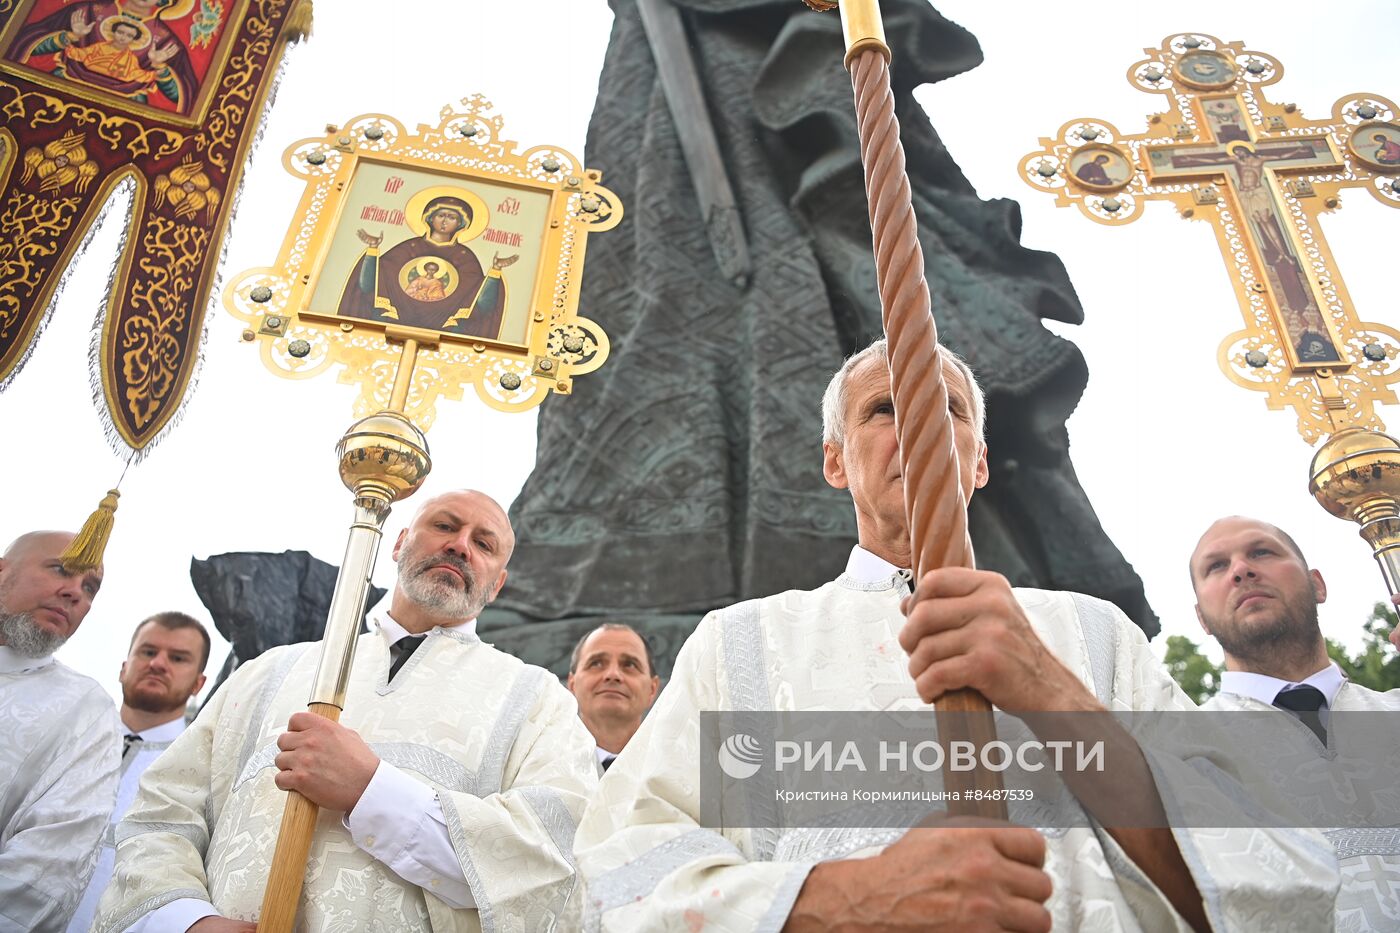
[(58, 738), (455, 774)]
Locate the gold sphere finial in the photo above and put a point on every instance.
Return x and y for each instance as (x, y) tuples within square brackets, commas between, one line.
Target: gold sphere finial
[(384, 456), (1356, 475)]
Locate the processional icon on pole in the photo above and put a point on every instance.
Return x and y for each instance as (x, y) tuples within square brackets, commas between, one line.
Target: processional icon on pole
[(1262, 173), (419, 263)]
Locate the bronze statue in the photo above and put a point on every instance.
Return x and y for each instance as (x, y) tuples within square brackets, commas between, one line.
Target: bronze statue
[(687, 479)]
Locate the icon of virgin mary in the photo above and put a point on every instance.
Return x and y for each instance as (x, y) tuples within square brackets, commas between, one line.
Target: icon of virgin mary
[(432, 281)]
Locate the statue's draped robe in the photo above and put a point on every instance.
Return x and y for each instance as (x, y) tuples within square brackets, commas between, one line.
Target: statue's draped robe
[(1369, 857), (686, 473), (645, 859), (59, 757), (499, 741)]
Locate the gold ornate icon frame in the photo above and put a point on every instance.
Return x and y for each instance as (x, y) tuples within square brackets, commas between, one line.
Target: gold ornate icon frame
[(466, 148), (1327, 394)]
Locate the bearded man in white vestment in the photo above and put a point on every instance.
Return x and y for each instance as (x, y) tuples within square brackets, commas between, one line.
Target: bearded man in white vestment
[(449, 789), (1257, 596), (58, 738), (649, 865)]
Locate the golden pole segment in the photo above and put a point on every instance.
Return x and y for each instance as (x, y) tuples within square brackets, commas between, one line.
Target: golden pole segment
[(403, 376), (1355, 475), (383, 458), (933, 496), (863, 29)]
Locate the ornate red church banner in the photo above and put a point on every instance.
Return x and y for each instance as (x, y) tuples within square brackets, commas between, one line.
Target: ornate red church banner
[(164, 97)]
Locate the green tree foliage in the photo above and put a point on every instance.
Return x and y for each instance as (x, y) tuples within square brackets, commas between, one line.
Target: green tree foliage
[(1377, 665), (1193, 671)]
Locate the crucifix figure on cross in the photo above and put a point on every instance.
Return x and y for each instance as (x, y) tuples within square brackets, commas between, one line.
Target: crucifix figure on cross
[(1262, 173), (1248, 170)]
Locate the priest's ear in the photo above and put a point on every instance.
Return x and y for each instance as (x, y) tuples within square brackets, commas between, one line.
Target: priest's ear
[(398, 543), (500, 582), (834, 465), (1319, 586)]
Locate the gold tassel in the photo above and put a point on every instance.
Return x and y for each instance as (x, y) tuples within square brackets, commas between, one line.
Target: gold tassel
[(299, 22), (85, 552)]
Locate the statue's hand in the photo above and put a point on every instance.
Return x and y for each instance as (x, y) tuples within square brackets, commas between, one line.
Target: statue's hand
[(500, 262), (372, 241)]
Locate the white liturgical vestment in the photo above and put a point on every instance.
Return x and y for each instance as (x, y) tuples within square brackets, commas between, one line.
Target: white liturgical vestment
[(59, 755), (649, 865), (134, 762), (1370, 857), (498, 741)]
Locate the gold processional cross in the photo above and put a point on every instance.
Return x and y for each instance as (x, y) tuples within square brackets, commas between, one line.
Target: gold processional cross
[(1262, 174)]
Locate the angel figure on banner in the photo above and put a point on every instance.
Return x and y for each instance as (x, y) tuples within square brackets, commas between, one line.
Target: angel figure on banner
[(125, 47), (432, 281)]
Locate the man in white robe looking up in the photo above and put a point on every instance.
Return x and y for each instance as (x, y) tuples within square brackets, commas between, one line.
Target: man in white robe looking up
[(848, 646), (1257, 596), (613, 677), (58, 739), (449, 789)]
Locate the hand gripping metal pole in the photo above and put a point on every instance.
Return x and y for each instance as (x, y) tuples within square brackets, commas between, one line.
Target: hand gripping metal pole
[(383, 458)]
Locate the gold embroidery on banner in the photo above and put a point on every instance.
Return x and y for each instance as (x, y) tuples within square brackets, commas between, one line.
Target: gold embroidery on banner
[(152, 344), (38, 109), (150, 355), (60, 163), (239, 87), (188, 189), (30, 227)]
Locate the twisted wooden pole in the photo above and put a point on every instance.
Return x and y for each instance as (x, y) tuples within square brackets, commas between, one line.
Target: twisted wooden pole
[(933, 498)]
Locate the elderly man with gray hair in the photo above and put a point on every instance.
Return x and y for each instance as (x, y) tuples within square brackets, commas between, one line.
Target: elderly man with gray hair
[(865, 642)]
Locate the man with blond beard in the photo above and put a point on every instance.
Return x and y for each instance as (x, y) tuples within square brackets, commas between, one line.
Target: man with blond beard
[(457, 771)]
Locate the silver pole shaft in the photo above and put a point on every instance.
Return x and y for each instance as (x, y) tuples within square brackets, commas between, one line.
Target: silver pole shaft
[(348, 602)]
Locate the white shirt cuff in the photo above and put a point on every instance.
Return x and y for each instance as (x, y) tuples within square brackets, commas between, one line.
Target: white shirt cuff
[(175, 917), (399, 821)]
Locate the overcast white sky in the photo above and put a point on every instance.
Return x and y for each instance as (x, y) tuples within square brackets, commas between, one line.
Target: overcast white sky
[(1162, 441)]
